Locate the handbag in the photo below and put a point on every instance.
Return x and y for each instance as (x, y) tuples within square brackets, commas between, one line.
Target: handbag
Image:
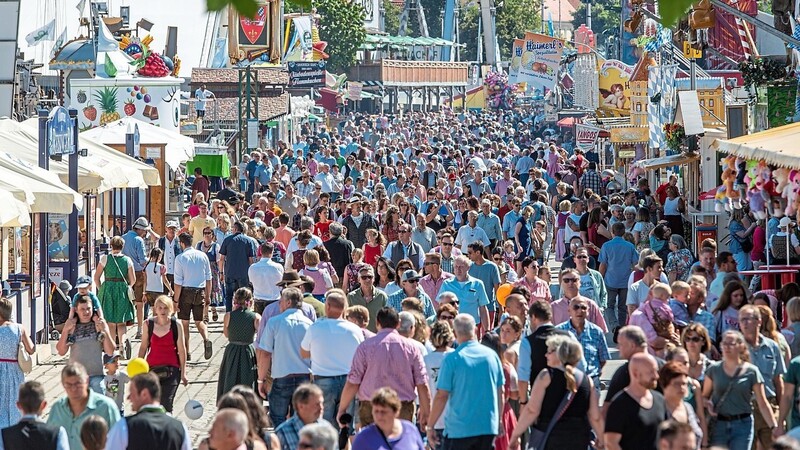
[(131, 294), (712, 419), (24, 359), (538, 438)]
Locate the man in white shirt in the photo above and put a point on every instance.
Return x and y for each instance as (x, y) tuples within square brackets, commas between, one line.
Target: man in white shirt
[(201, 95), (331, 344), (637, 293), (192, 290), (264, 276), (470, 233), (326, 180), (306, 223)]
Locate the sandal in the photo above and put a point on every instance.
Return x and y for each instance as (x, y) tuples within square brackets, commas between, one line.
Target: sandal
[(214, 314)]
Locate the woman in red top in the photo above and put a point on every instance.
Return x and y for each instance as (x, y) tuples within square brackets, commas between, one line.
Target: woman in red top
[(374, 247), (597, 232), (164, 349), (322, 224)]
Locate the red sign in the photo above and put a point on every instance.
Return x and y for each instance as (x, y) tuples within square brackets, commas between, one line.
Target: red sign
[(252, 28)]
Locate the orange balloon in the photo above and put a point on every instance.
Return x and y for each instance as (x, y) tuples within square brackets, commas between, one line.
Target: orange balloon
[(502, 292)]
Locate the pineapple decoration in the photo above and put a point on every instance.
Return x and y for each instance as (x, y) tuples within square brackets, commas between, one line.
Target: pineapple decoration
[(317, 46), (108, 105)]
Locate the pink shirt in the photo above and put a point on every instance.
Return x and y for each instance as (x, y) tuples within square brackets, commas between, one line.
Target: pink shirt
[(431, 286), (561, 312), (388, 359), (540, 290)]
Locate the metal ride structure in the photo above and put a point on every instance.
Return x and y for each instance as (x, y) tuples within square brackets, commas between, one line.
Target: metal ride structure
[(486, 26), (248, 103)]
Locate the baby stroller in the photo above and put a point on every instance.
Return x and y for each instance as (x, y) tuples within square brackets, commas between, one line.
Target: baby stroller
[(59, 307)]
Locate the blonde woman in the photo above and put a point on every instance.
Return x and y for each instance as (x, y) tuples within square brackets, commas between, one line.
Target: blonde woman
[(164, 349), (350, 281), (574, 427)]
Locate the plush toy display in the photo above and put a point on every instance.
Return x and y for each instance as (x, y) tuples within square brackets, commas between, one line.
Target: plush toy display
[(728, 179), (499, 94), (760, 177)]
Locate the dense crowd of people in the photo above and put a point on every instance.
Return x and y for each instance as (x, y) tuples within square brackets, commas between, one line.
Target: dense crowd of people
[(387, 285)]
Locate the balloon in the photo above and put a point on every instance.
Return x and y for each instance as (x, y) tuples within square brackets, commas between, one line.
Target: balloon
[(137, 366), (502, 292), (193, 409)]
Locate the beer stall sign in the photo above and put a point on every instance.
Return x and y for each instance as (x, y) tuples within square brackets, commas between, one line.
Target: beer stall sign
[(586, 136), (306, 74)]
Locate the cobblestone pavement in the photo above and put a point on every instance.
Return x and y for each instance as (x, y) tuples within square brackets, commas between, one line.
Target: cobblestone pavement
[(202, 377)]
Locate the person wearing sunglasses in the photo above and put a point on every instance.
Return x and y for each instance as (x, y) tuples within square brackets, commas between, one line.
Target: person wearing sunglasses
[(409, 283), (570, 281), (592, 284), (591, 336), (435, 277), (368, 296)]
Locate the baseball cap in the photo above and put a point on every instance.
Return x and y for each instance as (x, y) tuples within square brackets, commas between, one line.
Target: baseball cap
[(83, 282), (108, 359), (410, 275), (141, 224), (172, 224)]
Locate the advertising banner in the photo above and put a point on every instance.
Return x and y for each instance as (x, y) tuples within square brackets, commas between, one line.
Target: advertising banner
[(354, 89), (586, 136), (614, 83), (540, 60), (516, 60)]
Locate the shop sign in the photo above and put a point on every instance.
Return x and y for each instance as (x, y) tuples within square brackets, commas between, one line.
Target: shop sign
[(307, 74), (630, 135)]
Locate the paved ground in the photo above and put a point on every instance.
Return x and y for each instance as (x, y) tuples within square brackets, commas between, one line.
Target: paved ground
[(202, 377)]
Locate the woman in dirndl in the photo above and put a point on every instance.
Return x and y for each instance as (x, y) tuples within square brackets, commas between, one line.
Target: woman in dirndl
[(239, 360), (118, 276)]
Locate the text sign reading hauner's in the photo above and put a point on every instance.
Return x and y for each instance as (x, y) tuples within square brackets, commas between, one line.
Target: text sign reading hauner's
[(60, 132), (307, 73)]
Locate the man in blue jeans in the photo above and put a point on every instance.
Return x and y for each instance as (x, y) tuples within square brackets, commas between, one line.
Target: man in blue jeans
[(331, 344), (237, 253), (278, 355), (617, 259)]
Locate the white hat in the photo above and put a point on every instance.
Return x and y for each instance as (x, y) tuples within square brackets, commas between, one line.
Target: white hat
[(141, 224), (785, 221), (172, 224)]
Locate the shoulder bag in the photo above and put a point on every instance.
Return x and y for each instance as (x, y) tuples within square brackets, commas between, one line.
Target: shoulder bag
[(131, 295), (712, 410), (23, 357), (538, 438)]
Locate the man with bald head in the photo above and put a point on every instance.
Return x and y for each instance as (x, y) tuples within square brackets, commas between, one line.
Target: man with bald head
[(636, 412)]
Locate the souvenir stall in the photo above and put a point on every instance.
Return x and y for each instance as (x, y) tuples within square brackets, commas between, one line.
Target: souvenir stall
[(762, 166)]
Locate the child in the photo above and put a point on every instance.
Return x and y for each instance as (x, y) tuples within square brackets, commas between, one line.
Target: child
[(115, 380), (94, 431), (155, 277), (657, 316), (680, 297), (348, 189), (83, 285), (509, 255), (322, 278)]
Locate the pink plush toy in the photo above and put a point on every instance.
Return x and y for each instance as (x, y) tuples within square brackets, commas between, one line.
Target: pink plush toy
[(793, 190)]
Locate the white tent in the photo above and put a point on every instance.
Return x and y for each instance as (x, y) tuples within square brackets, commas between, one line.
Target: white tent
[(139, 174), (48, 193), (15, 212), (179, 148)]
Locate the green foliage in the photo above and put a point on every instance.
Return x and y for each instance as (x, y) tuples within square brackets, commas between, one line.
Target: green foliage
[(391, 17), (247, 8), (342, 26), (468, 32), (513, 19), (673, 10), (605, 17)]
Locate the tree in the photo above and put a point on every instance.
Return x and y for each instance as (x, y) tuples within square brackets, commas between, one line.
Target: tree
[(513, 19), (468, 19), (391, 17), (605, 17), (342, 26)]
